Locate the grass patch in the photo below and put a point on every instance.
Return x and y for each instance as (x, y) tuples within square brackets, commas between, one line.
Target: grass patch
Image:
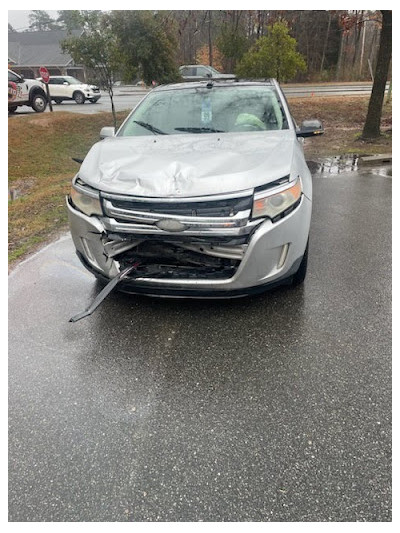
[(41, 147), (40, 168), (343, 119)]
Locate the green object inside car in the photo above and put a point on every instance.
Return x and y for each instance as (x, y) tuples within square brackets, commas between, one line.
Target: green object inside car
[(248, 118)]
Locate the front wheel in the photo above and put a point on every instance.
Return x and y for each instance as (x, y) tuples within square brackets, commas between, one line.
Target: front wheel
[(12, 109), (39, 103), (79, 98), (300, 275)]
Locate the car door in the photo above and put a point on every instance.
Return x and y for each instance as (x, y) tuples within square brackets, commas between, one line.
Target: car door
[(56, 87), (18, 90), (65, 88)]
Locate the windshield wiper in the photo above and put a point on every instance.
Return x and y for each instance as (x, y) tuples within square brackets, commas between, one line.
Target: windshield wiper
[(151, 128), (196, 129)]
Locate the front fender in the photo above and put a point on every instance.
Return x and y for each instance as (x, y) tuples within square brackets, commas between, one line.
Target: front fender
[(36, 90)]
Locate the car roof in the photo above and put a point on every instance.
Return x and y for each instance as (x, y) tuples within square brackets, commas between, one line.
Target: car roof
[(215, 84)]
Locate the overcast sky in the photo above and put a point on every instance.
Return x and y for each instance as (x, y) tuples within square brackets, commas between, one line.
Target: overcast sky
[(19, 19)]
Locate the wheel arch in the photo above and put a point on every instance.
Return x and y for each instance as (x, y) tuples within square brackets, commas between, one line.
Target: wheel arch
[(36, 90), (78, 91)]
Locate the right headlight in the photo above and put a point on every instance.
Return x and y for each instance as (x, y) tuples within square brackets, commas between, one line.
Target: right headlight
[(274, 203), (85, 199)]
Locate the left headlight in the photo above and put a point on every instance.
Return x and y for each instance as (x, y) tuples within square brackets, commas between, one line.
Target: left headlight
[(87, 201), (277, 203)]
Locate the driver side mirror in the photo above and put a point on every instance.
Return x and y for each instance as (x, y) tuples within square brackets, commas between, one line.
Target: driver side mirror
[(310, 128)]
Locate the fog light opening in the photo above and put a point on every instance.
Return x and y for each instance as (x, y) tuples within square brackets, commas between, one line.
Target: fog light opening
[(88, 253), (282, 259)]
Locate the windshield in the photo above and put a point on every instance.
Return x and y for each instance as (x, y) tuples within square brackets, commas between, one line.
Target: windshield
[(214, 70), (203, 110)]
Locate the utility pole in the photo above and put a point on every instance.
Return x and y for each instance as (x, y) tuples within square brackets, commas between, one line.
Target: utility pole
[(210, 51), (362, 47), (325, 43)]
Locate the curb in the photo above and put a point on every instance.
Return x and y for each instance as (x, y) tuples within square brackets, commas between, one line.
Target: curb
[(379, 158)]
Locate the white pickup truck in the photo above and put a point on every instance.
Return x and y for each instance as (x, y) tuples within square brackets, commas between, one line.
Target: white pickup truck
[(25, 92)]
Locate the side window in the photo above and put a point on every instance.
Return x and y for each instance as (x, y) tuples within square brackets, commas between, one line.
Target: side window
[(13, 77), (202, 71), (186, 71), (190, 71)]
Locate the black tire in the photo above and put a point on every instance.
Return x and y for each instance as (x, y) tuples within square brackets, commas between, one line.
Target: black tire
[(58, 100), (12, 109), (300, 275), (39, 102), (79, 97)]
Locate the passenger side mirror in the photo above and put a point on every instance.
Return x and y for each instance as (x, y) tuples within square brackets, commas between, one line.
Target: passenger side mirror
[(209, 75), (107, 131), (310, 128)]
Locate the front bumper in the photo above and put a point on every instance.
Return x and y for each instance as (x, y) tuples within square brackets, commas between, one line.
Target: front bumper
[(90, 95), (273, 254)]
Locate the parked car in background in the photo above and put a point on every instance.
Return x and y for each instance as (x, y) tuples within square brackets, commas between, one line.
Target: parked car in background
[(203, 191), (69, 88), (203, 72), (23, 91)]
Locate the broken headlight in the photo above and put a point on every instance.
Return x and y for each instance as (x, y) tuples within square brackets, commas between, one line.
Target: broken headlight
[(85, 198), (274, 203)]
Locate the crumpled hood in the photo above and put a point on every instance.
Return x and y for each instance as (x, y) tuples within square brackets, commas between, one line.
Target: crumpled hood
[(188, 165)]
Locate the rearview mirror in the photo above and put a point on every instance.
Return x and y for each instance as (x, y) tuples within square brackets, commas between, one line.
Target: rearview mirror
[(107, 131), (310, 128)]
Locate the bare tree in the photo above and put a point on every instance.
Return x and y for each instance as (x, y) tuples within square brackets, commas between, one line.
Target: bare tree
[(373, 121)]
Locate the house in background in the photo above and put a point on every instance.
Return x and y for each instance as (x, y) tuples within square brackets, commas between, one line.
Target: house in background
[(28, 51)]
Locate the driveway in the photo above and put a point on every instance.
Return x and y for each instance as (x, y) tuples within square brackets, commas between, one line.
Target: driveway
[(271, 408)]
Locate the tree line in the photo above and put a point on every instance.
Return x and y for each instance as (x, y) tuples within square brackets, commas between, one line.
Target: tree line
[(288, 45), (330, 44)]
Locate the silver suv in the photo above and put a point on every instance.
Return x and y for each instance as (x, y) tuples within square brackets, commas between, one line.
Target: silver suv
[(203, 191), (202, 72)]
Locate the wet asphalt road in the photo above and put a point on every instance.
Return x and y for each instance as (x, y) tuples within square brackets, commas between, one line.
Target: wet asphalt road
[(272, 408)]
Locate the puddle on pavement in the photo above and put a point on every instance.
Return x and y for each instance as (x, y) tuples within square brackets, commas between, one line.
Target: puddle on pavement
[(332, 166), (341, 164), (381, 171)]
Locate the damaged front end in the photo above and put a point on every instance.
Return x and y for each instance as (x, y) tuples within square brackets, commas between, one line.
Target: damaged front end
[(196, 246), (176, 259), (191, 239)]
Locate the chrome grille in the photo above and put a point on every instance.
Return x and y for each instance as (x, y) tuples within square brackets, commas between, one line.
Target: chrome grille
[(225, 215)]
